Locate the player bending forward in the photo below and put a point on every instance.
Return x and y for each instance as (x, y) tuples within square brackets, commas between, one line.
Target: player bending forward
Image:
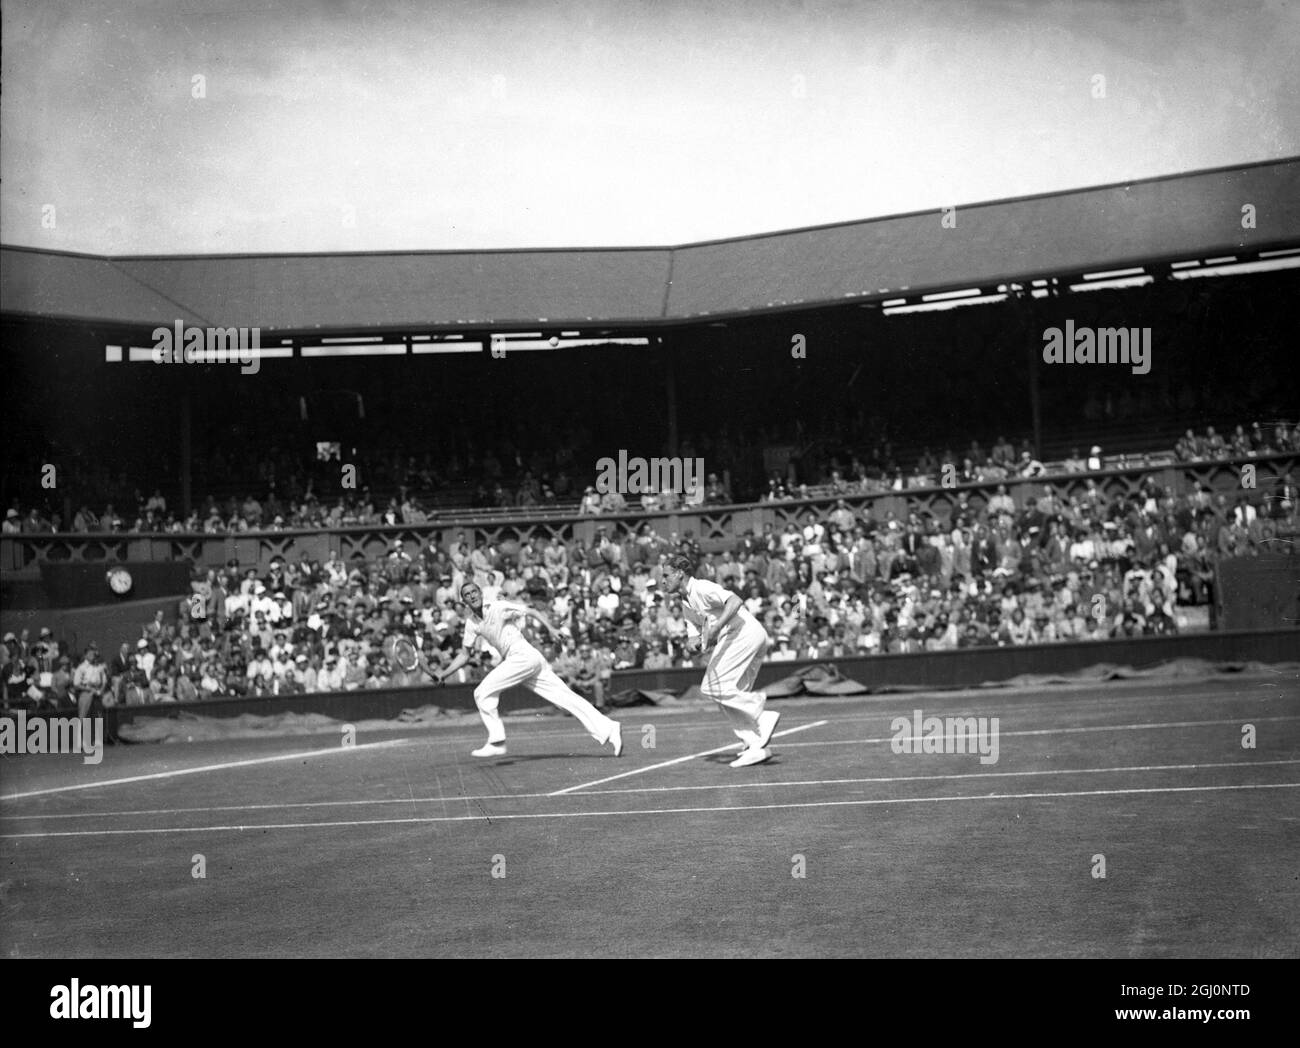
[(521, 663), (734, 664)]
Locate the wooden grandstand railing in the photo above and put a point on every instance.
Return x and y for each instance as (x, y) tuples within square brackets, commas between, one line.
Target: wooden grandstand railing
[(713, 527)]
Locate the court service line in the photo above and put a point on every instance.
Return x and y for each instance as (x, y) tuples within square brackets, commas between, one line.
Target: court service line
[(1063, 731), (730, 785), (833, 742), (323, 752), (884, 780), (679, 760), (1012, 702), (874, 802)]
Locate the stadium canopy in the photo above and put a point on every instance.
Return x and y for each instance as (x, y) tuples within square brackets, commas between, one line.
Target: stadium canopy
[(1236, 213)]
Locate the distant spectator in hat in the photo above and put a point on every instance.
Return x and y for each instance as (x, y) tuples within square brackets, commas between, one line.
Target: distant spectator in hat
[(45, 650), (1075, 463), (1001, 502), (1213, 445), (715, 492), (60, 690), (306, 672), (154, 630), (84, 520), (776, 490), (162, 687), (1044, 628), (1003, 453), (89, 681), (609, 554), (353, 664), (186, 690), (330, 677), (35, 522), (612, 501), (841, 517), (122, 663), (1017, 630), (13, 678), (1239, 445), (260, 667), (145, 657), (1029, 466)]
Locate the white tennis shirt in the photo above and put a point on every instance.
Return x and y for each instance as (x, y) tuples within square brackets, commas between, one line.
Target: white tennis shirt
[(497, 627), (705, 601)]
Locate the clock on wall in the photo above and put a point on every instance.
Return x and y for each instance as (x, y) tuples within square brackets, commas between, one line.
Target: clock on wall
[(119, 580)]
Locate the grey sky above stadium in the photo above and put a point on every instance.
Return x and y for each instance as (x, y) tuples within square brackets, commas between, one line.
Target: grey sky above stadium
[(324, 126)]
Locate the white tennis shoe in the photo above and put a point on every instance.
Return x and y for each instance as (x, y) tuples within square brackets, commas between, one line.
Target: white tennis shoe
[(489, 749), (766, 726), (616, 738), (753, 755)]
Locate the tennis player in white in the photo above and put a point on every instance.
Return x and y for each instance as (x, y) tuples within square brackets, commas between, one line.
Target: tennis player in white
[(520, 663), (741, 642)]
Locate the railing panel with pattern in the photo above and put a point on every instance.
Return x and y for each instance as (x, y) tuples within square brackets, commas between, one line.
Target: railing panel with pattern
[(714, 527)]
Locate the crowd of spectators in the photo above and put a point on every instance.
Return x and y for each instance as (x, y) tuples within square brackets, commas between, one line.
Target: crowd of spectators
[(842, 583), (1004, 461), (871, 472)]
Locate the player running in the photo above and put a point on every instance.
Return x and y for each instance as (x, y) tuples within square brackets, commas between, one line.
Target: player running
[(734, 663), (521, 663)]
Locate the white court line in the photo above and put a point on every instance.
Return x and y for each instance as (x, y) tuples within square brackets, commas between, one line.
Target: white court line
[(1069, 731), (679, 760), (324, 752), (722, 749), (731, 785), (1013, 701), (928, 778), (651, 811)]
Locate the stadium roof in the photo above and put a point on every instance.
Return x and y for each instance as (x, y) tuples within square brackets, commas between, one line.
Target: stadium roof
[(1198, 215)]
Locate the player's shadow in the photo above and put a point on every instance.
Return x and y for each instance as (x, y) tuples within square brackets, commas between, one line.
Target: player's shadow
[(725, 759), (505, 762)]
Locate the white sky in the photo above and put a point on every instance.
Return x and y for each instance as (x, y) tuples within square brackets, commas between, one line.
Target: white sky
[(482, 123)]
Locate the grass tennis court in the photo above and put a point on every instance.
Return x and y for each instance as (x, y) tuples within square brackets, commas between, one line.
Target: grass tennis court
[(404, 845)]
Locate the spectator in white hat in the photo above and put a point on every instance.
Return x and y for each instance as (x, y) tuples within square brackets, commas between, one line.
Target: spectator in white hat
[(145, 657)]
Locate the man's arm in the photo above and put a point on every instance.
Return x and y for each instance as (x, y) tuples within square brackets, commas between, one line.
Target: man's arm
[(516, 612), (533, 613), (729, 610), (422, 664), (462, 657)]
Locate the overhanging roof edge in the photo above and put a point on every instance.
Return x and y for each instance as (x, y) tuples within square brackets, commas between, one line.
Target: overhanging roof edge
[(652, 248)]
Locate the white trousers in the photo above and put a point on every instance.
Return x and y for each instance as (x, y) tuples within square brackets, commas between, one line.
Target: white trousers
[(525, 665), (733, 668)]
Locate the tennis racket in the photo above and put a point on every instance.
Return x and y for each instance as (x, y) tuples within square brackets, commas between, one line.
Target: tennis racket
[(401, 653)]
